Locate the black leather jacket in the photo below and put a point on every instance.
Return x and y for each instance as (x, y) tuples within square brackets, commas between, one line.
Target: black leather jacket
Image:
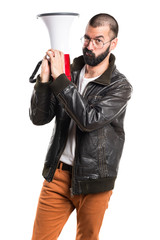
[(99, 115)]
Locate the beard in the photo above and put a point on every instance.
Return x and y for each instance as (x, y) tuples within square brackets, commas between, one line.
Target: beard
[(91, 59)]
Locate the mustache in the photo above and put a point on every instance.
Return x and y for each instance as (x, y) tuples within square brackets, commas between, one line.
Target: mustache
[(91, 59), (86, 50)]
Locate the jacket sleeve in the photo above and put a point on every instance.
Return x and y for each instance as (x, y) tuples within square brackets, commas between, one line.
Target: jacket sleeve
[(91, 116), (43, 103)]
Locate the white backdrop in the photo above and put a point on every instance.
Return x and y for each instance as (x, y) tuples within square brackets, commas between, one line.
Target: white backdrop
[(134, 207)]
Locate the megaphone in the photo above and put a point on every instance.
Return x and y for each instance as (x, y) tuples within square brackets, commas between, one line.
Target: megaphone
[(59, 26)]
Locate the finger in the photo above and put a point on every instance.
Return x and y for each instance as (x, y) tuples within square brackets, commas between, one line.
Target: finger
[(44, 59), (59, 56), (50, 53), (51, 50), (44, 62), (56, 53)]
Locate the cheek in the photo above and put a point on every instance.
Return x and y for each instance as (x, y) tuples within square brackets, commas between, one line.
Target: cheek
[(98, 52)]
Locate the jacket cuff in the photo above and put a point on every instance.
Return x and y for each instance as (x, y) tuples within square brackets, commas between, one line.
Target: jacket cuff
[(59, 84), (41, 87)]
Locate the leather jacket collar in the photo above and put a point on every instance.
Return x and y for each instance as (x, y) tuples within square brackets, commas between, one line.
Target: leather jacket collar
[(104, 79)]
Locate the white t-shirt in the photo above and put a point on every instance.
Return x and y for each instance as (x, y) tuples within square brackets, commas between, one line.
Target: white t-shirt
[(69, 151)]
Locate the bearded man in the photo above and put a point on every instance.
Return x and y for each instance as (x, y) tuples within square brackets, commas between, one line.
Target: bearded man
[(83, 157)]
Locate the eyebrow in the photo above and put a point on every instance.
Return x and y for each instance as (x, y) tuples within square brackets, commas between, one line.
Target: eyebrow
[(100, 36)]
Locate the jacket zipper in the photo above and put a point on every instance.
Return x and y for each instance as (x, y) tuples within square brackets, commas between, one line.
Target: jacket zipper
[(72, 182)]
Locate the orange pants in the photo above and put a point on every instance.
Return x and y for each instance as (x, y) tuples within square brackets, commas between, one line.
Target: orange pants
[(56, 204)]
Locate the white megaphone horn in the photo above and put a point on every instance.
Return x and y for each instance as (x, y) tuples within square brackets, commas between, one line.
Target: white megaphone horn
[(59, 27)]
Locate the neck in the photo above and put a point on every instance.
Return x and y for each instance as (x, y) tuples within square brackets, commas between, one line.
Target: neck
[(94, 71)]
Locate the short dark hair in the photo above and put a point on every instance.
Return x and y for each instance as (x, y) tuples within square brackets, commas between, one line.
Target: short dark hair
[(103, 19)]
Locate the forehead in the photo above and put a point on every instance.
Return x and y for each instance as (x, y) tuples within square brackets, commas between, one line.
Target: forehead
[(93, 32)]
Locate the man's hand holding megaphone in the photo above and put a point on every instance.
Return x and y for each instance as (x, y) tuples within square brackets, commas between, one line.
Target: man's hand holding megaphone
[(54, 66)]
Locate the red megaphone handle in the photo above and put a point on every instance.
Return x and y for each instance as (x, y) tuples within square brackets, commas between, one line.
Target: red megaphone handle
[(67, 66)]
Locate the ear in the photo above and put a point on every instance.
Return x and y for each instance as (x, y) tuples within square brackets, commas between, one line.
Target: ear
[(113, 44)]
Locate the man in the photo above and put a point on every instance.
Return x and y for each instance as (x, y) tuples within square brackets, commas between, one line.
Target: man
[(82, 161)]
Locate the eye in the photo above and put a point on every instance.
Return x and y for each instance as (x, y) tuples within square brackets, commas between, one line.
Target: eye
[(98, 41), (86, 37)]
